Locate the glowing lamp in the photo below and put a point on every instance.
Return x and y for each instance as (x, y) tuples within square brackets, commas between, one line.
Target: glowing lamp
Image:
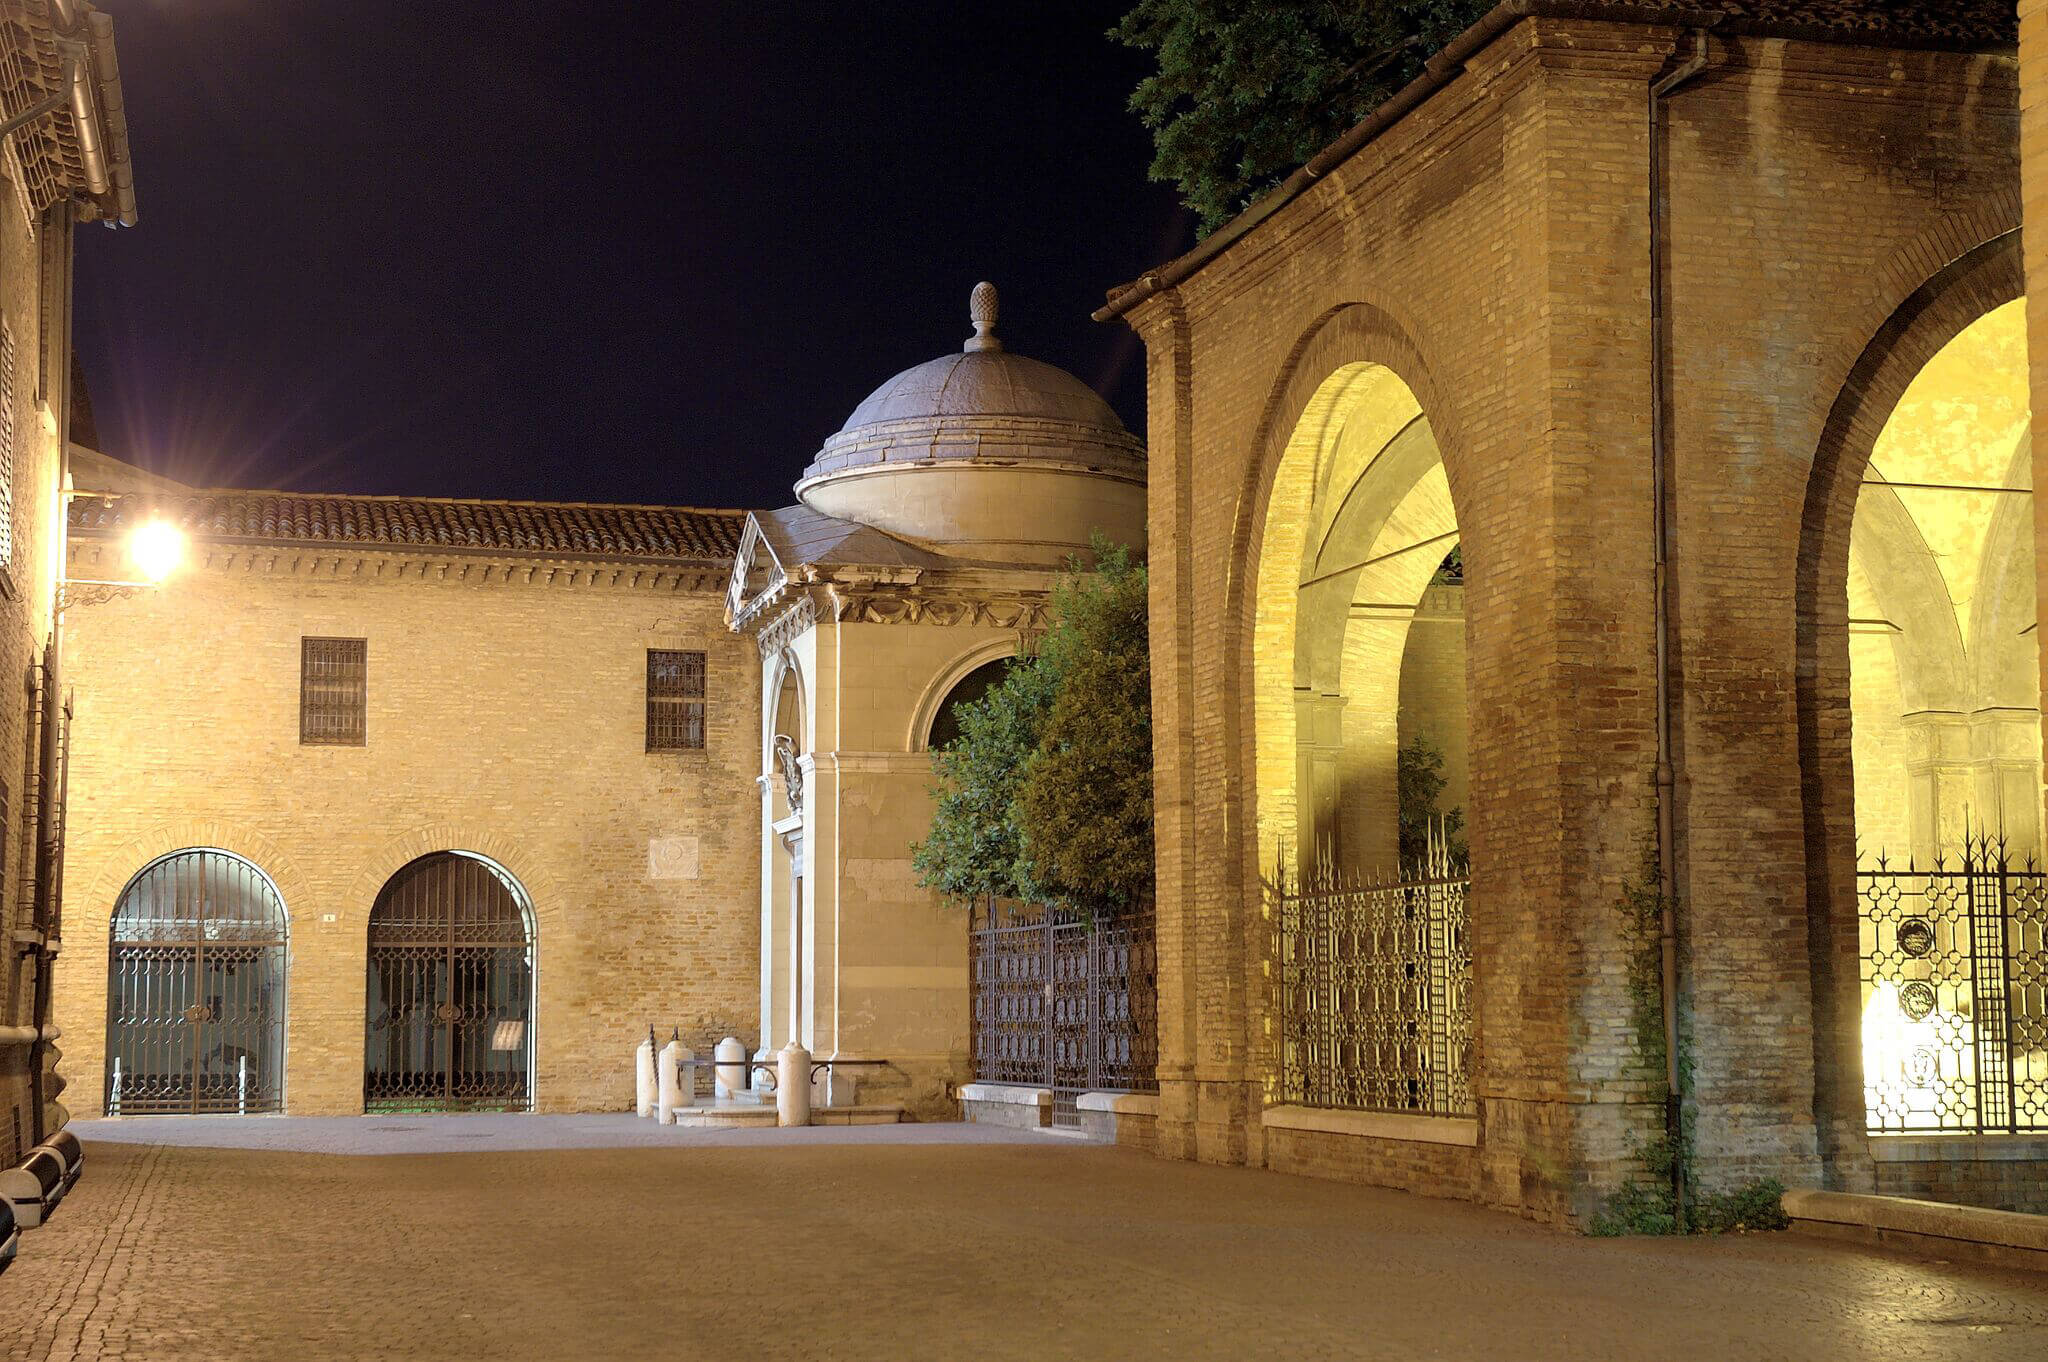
[(156, 548)]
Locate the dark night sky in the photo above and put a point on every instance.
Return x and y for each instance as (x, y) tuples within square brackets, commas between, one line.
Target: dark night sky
[(646, 252)]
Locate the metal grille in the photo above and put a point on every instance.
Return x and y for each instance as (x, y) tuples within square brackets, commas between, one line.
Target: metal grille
[(1375, 992), (675, 701), (30, 71), (450, 986), (1955, 994), (196, 989), (1063, 1003), (7, 358), (333, 691)]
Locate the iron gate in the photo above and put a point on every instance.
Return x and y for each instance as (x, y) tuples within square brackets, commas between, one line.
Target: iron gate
[(1955, 994), (196, 989), (1063, 1003), (1375, 991), (450, 990)]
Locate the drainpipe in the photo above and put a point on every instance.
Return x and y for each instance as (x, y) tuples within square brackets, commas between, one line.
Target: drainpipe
[(1667, 854)]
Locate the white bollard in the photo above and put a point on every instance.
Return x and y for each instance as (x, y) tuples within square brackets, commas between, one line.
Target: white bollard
[(793, 1086), (643, 1076), (731, 1074), (676, 1063)]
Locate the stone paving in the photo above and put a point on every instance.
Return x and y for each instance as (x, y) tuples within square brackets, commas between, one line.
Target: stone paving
[(895, 1243)]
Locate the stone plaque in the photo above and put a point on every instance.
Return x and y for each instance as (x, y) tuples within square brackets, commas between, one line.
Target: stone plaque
[(671, 858)]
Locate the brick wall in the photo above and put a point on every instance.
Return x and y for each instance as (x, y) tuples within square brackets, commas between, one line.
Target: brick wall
[(505, 717), (1492, 250)]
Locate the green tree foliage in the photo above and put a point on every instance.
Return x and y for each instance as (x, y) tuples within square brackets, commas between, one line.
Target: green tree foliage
[(1247, 90), (1047, 793), (1085, 810), (1419, 785)]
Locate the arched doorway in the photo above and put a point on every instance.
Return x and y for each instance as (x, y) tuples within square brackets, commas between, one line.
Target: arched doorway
[(196, 989), (450, 989), (1359, 718), (1944, 673)]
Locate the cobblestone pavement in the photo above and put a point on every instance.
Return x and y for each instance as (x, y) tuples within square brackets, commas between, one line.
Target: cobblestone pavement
[(847, 1244)]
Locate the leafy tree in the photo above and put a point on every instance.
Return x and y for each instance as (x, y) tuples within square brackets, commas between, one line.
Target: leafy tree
[(974, 848), (1419, 785), (1247, 90), (1085, 809), (1046, 794)]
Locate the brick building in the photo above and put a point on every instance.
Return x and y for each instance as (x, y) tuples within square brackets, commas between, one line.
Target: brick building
[(392, 803), (1695, 328), (64, 162)]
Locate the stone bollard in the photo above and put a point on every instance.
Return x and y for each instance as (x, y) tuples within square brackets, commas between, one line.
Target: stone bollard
[(761, 1077), (677, 1067), (793, 1086), (731, 1074), (643, 1076)]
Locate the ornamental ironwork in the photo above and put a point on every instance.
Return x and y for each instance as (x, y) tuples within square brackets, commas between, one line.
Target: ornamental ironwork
[(450, 990), (196, 989), (1955, 993), (1062, 1002), (1375, 984)]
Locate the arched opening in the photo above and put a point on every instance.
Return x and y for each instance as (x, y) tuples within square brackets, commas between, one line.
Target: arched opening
[(945, 725), (1360, 749), (782, 964), (1944, 671), (450, 989), (196, 989)]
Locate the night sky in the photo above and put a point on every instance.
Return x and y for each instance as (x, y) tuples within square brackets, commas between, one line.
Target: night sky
[(641, 252)]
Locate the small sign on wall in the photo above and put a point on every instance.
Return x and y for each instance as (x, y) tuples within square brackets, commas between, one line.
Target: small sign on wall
[(671, 858)]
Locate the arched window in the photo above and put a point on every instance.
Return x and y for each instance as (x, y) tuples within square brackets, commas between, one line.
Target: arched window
[(450, 989), (970, 688), (196, 989)]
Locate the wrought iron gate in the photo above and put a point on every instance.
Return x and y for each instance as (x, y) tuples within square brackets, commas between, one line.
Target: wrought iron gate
[(450, 990), (1061, 1003), (1955, 994), (1375, 992), (196, 989)]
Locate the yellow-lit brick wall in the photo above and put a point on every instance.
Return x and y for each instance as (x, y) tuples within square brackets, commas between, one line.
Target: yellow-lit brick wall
[(505, 718), (1493, 250)]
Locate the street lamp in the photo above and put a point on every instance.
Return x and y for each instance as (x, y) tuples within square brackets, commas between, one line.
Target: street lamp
[(156, 549)]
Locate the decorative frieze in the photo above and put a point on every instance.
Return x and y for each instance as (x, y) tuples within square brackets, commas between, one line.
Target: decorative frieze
[(784, 629), (1022, 611)]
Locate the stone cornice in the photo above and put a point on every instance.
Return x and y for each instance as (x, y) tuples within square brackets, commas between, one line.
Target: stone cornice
[(786, 627), (1020, 610), (90, 556)]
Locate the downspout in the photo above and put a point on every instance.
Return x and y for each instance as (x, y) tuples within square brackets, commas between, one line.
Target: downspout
[(1667, 837)]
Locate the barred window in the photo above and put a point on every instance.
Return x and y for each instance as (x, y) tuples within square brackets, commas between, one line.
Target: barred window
[(675, 701), (333, 691), (6, 442)]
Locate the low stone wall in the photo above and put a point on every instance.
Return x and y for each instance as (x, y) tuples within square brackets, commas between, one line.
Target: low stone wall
[(1435, 1156), (1971, 1233), (1130, 1119), (2004, 1173), (1006, 1104)]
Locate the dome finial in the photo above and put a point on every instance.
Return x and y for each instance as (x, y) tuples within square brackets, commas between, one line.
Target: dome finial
[(981, 310)]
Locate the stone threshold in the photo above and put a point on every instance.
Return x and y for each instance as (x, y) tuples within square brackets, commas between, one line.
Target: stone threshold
[(1007, 1094), (1375, 1125), (1120, 1103), (1934, 1228)]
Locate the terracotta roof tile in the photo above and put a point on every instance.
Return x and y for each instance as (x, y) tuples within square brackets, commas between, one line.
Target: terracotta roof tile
[(548, 529)]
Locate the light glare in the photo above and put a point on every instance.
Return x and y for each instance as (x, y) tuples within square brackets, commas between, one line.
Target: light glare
[(156, 548)]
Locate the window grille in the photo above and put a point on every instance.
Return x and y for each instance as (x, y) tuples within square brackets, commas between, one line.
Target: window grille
[(6, 442), (333, 691), (675, 701)]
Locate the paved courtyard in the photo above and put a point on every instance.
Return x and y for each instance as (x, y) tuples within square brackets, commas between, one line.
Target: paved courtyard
[(600, 1238)]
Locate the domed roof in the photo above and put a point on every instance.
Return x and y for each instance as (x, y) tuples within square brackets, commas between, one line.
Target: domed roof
[(983, 403)]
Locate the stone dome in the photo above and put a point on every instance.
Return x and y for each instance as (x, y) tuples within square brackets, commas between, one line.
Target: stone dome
[(985, 452)]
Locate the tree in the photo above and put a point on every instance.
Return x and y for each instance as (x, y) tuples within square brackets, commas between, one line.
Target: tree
[(1419, 783), (1247, 90), (1085, 809), (1046, 795)]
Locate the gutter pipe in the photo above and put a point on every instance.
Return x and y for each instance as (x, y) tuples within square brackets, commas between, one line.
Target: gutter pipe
[(1660, 560)]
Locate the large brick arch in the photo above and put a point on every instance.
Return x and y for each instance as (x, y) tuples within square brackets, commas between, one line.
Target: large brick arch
[(1934, 293), (1350, 334), (402, 851), (118, 868)]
